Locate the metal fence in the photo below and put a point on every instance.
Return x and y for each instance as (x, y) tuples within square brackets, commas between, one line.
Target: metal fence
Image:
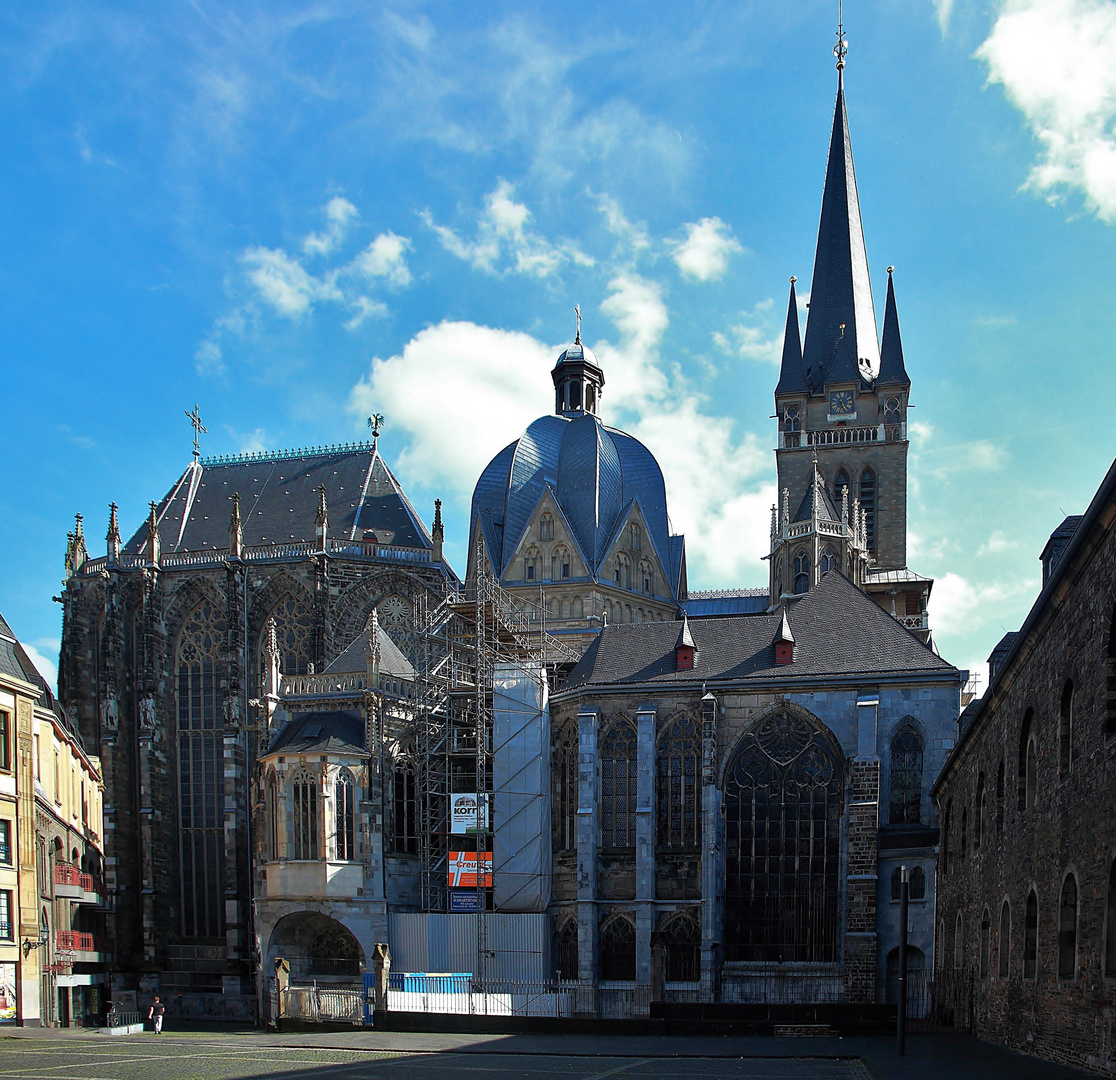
[(319, 1004)]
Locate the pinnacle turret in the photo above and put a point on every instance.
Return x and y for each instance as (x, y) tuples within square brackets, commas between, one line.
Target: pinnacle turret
[(112, 537), (893, 372), (790, 371)]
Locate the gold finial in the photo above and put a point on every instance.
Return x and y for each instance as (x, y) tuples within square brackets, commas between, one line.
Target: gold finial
[(841, 49), (199, 429), (793, 279), (577, 332)]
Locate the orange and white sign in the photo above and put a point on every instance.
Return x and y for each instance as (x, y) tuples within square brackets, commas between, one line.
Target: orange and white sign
[(463, 869)]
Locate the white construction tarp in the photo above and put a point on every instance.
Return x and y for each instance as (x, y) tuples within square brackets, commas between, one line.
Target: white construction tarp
[(521, 785)]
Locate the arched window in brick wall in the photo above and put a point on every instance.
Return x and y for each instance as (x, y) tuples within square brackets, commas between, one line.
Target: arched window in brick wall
[(1028, 762), (618, 785), (405, 808), (304, 803), (1030, 936), (1000, 799), (906, 777), (1065, 731), (985, 943), (271, 803), (1004, 943), (980, 818), (679, 794), (618, 950), (201, 770), (1067, 929), (567, 949), (1110, 710), (958, 943), (564, 788), (344, 807), (1110, 927), (964, 832), (947, 836)]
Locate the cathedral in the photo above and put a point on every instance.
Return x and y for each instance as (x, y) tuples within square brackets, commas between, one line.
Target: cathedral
[(679, 797)]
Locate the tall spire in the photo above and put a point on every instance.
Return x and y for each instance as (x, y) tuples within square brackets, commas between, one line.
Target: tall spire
[(790, 372), (893, 372), (841, 291)]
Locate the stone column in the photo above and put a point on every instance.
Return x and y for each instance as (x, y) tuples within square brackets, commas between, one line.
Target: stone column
[(645, 841), (863, 839), (712, 872), (587, 724)]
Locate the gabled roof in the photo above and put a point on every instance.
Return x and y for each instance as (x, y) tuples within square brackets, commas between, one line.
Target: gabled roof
[(826, 510), (841, 291), (718, 603), (839, 631), (337, 731), (355, 657), (279, 500)]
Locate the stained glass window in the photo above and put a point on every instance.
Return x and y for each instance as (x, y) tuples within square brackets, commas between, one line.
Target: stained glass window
[(345, 809), (405, 829), (305, 806), (618, 785), (564, 783), (201, 771), (679, 794), (906, 778)]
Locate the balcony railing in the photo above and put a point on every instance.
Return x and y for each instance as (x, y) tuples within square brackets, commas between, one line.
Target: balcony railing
[(75, 941), (839, 436), (66, 874)]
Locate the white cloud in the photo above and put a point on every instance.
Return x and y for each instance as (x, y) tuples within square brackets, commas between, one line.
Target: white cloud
[(957, 605), (47, 667), (385, 258), (1056, 60), (283, 284), (754, 338), (208, 359), (997, 543), (364, 308), (705, 252), (943, 9), (633, 237), (339, 214), (252, 442), (502, 232)]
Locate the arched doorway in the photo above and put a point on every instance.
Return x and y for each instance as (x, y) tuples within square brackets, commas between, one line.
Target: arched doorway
[(317, 948), (783, 805)]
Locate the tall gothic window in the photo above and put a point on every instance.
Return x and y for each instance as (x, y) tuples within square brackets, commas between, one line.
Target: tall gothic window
[(1028, 762), (646, 577), (623, 572), (980, 822), (618, 950), (964, 832), (947, 835), (531, 561), (682, 943), (1110, 711), (1065, 731), (304, 789), (201, 773), (985, 942), (828, 561), (801, 572), (1067, 929), (344, 806), (546, 526), (564, 782), (272, 805), (1030, 937), (405, 805), (1005, 941), (618, 785), (868, 505), (958, 943), (567, 950), (679, 795), (1000, 793), (635, 537), (783, 815), (916, 883), (294, 623), (1110, 920), (560, 563), (906, 778)]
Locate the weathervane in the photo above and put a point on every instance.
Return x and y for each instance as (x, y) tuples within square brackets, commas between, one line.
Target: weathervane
[(577, 334), (375, 422), (199, 429), (841, 49)]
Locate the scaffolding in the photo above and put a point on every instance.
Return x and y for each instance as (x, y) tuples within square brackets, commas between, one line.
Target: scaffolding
[(461, 641)]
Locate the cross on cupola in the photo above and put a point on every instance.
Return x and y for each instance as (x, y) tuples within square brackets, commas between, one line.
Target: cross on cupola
[(578, 378), (199, 429)]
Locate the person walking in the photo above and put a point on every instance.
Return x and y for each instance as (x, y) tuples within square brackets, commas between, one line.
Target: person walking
[(155, 1015)]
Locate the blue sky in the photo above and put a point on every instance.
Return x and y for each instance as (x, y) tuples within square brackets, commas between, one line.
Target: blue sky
[(297, 213)]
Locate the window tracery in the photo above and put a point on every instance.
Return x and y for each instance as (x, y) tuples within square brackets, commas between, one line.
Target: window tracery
[(679, 794), (546, 526), (1067, 929), (560, 563), (682, 945), (906, 777), (828, 561), (646, 577), (783, 814), (272, 809), (304, 791), (564, 782), (531, 563), (623, 572), (334, 951), (618, 950), (567, 950), (201, 722), (618, 785), (405, 806), (801, 572), (344, 793)]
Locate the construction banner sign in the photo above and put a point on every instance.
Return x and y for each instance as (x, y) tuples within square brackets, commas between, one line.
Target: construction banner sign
[(463, 869)]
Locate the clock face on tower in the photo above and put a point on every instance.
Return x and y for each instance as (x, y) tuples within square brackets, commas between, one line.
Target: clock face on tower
[(841, 402)]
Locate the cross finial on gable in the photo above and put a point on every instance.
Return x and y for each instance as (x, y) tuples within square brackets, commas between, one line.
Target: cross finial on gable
[(199, 428), (577, 331)]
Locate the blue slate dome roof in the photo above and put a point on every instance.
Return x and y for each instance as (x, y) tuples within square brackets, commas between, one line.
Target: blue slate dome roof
[(594, 473)]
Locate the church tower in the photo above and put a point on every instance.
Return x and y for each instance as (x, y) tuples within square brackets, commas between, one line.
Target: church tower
[(841, 403)]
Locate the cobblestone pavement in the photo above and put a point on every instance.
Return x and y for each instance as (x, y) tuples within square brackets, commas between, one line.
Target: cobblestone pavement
[(208, 1057)]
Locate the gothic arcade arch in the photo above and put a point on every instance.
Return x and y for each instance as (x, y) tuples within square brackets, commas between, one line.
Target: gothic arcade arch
[(783, 796)]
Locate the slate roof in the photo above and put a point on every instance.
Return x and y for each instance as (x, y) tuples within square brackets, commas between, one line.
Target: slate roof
[(826, 509), (355, 658), (337, 731), (279, 500), (841, 290), (893, 372), (838, 631), (745, 602), (791, 380), (595, 474)]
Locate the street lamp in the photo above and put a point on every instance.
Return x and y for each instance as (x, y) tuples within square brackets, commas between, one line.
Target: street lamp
[(31, 943)]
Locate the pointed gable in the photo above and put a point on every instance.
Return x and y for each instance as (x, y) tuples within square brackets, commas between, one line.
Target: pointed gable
[(893, 371), (791, 380), (841, 291)]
